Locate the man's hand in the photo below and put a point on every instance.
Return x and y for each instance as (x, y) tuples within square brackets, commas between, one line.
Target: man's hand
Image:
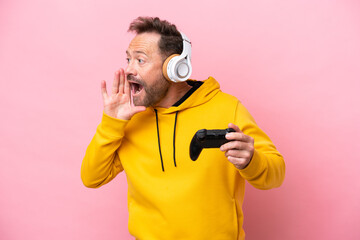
[(118, 104), (240, 149)]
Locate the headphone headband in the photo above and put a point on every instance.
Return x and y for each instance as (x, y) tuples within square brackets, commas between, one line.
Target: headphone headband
[(186, 47)]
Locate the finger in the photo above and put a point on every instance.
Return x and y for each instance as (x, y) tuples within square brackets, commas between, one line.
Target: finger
[(127, 86), (238, 136), (237, 145), (236, 160), (235, 127), (103, 89), (239, 163), (237, 130), (115, 86), (238, 154), (122, 81)]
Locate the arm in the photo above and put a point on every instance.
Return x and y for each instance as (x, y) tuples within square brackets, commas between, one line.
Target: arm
[(253, 153), (101, 162)]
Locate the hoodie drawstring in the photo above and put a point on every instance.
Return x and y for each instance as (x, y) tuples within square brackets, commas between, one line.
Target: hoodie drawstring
[(176, 114), (158, 135), (157, 125)]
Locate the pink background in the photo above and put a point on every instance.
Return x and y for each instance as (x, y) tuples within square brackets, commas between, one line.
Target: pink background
[(294, 64)]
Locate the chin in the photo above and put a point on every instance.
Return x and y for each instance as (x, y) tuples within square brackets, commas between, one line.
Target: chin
[(140, 102)]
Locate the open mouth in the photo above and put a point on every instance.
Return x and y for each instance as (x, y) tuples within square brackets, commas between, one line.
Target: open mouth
[(136, 88)]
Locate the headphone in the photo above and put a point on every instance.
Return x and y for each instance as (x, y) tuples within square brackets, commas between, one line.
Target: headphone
[(177, 68)]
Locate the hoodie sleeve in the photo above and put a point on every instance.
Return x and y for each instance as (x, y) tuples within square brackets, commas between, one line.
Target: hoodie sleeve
[(101, 162), (267, 167)]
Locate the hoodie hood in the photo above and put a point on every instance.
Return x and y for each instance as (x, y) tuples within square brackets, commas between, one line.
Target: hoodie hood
[(203, 94)]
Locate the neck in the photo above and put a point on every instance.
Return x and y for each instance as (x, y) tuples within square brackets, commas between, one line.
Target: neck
[(175, 93)]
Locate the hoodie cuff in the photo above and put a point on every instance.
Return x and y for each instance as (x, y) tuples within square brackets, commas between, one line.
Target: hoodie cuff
[(112, 126), (254, 166)]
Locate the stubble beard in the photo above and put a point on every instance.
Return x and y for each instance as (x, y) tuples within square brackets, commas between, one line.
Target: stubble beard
[(153, 93)]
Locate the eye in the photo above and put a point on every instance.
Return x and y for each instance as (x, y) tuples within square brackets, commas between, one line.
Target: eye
[(128, 60), (141, 60)]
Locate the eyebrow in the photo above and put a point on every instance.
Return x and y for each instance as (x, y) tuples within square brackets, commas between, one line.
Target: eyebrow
[(138, 52)]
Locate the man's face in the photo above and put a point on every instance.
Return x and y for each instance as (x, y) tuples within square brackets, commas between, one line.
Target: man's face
[(144, 70)]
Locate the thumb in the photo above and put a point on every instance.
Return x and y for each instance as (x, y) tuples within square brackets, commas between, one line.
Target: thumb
[(235, 127)]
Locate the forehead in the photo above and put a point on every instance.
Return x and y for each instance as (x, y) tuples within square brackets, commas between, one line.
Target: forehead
[(145, 42)]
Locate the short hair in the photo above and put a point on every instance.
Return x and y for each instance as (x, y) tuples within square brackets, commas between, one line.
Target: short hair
[(170, 42)]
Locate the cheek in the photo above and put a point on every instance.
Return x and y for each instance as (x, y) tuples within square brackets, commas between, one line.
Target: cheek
[(154, 75)]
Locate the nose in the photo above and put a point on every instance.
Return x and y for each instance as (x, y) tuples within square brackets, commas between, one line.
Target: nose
[(130, 69)]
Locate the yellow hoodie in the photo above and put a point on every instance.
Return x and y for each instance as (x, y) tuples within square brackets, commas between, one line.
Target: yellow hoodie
[(169, 195)]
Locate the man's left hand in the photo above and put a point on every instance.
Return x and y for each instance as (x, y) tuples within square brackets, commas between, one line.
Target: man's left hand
[(240, 150)]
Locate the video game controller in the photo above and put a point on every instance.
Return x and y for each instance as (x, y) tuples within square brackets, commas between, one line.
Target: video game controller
[(207, 139)]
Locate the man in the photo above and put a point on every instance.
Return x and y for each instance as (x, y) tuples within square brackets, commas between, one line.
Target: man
[(147, 126)]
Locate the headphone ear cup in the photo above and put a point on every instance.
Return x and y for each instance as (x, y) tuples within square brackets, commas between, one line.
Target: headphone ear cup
[(165, 65)]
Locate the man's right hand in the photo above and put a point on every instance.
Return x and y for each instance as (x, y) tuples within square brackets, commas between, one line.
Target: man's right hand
[(118, 104)]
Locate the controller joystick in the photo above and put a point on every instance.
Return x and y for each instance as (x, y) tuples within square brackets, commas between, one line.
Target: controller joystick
[(207, 139)]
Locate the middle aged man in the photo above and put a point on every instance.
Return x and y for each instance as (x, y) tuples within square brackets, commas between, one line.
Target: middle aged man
[(149, 119)]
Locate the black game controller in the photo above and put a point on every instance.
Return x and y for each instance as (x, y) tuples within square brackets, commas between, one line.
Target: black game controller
[(207, 139)]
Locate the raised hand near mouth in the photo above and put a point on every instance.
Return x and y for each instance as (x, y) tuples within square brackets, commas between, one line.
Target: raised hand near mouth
[(118, 103)]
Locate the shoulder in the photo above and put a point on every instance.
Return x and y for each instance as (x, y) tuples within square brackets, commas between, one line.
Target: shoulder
[(226, 100)]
